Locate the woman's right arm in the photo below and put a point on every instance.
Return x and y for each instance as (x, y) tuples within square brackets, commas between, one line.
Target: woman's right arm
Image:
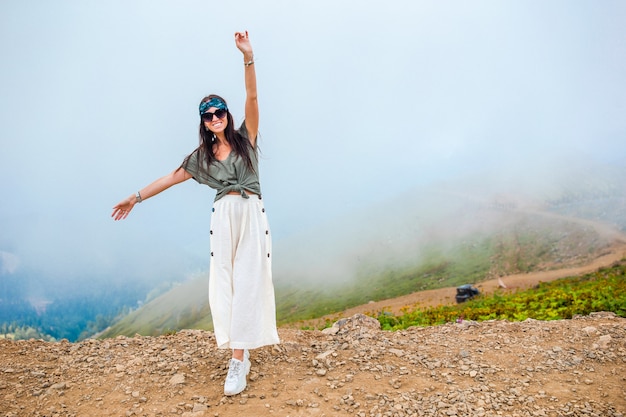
[(122, 209)]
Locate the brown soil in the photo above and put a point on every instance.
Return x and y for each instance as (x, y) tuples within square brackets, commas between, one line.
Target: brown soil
[(489, 369)]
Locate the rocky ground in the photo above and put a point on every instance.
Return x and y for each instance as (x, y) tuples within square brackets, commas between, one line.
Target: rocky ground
[(560, 368)]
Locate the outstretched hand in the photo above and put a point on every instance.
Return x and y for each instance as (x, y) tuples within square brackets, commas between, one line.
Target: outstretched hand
[(243, 43), (122, 209)]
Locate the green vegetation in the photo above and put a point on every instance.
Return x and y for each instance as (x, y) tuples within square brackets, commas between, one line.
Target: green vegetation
[(604, 290), (17, 332), (524, 247)]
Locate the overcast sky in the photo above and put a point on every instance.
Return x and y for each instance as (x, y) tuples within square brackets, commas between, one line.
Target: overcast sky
[(360, 101)]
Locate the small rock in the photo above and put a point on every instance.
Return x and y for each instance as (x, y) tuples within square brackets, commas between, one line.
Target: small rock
[(590, 330), (59, 386), (398, 352), (199, 407), (331, 330), (177, 379), (604, 341), (324, 355)]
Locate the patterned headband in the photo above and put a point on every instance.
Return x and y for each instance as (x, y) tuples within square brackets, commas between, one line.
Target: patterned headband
[(213, 102)]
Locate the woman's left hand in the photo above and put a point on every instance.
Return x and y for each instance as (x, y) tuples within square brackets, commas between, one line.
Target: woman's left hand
[(243, 44)]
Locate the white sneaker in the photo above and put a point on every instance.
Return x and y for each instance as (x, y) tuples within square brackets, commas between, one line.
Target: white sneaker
[(236, 378)]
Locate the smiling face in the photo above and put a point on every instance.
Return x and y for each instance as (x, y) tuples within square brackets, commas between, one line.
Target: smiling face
[(215, 119)]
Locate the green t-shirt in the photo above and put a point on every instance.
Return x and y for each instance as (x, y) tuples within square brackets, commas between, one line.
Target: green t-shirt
[(231, 174)]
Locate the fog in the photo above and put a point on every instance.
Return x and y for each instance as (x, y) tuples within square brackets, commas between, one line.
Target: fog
[(363, 104), (439, 218)]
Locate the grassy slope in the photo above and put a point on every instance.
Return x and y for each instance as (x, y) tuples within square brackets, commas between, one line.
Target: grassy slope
[(185, 306), (528, 243)]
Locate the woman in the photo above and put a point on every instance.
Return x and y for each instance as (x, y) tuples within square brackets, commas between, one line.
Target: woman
[(241, 292)]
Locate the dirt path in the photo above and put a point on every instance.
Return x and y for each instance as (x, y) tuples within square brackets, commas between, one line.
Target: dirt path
[(445, 296)]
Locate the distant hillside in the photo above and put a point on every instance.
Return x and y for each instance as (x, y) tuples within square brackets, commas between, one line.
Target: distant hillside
[(470, 241), (183, 307)]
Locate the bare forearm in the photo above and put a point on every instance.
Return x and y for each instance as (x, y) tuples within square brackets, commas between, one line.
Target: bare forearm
[(124, 207), (250, 76), (252, 107)]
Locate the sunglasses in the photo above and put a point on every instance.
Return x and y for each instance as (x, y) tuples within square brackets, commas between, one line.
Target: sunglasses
[(220, 113)]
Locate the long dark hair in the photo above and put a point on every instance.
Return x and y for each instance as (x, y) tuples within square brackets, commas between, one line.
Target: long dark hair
[(240, 145)]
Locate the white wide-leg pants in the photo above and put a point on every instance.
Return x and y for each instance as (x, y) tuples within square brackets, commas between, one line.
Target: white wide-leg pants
[(241, 290)]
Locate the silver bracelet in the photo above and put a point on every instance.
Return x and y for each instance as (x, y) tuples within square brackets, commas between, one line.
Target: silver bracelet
[(247, 64), (138, 198)]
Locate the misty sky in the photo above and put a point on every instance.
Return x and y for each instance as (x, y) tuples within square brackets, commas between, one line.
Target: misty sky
[(360, 101)]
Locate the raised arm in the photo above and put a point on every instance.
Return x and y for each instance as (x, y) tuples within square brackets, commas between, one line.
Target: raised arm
[(252, 105), (122, 209)]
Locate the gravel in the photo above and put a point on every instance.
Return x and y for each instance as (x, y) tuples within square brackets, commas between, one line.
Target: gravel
[(496, 368)]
